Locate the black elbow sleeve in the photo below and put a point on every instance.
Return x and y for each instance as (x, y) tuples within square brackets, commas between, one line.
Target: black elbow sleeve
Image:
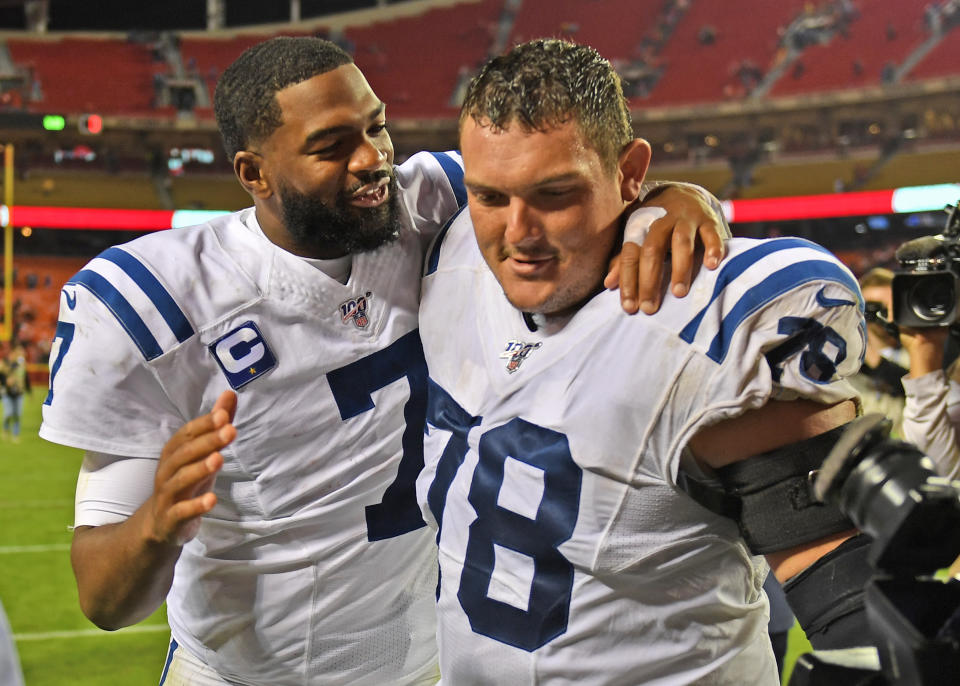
[(828, 597)]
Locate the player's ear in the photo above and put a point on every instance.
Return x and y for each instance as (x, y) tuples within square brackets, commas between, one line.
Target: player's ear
[(248, 166), (633, 163)]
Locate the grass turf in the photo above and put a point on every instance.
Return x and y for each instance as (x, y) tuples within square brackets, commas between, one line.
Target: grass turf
[(37, 481)]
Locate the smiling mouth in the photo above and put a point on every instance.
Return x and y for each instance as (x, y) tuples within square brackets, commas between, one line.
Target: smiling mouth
[(371, 195), (530, 265)]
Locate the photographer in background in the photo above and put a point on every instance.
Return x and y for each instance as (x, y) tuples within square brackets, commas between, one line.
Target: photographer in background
[(878, 381), (925, 304), (931, 414)]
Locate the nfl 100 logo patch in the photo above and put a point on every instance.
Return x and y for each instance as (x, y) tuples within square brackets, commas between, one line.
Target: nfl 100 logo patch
[(516, 352), (355, 310)]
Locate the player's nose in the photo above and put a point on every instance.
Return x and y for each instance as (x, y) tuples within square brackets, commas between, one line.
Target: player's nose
[(521, 222)]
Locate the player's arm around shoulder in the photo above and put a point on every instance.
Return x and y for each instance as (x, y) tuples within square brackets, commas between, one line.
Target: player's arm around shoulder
[(774, 425), (124, 570), (679, 221), (805, 335), (431, 189)]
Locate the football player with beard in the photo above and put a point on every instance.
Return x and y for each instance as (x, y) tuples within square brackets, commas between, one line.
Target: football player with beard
[(297, 554)]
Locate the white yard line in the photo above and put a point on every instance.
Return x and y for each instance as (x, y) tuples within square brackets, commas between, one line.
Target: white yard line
[(17, 504), (17, 549), (82, 633)]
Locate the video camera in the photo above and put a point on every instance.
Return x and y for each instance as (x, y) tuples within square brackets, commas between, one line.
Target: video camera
[(926, 289), (890, 491)]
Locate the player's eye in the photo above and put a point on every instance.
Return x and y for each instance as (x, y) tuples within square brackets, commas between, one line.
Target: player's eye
[(377, 129), (325, 150), (489, 197)]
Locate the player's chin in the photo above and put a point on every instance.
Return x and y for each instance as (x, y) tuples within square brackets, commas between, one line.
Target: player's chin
[(374, 232), (528, 295)]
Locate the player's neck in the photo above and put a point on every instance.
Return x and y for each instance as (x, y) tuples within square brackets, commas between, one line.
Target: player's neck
[(551, 322), (547, 324)]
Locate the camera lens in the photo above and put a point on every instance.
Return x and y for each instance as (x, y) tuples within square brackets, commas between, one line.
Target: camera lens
[(932, 298)]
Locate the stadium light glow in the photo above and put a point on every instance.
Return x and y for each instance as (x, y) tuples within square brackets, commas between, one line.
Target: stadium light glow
[(54, 122), (900, 200), (812, 206), (90, 123)]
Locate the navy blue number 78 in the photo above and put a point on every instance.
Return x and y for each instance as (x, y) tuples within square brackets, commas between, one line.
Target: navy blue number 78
[(538, 538)]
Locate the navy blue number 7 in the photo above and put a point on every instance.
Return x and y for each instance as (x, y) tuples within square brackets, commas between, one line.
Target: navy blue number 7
[(61, 344), (352, 386)]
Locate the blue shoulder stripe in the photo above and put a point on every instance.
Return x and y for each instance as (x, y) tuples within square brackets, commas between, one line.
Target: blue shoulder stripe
[(121, 309), (770, 288), (454, 175), (433, 260), (737, 266), (154, 290)]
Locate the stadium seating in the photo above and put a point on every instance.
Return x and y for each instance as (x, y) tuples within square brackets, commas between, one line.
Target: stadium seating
[(87, 189), (615, 27), (921, 166), (415, 63), (208, 57), (943, 60), (712, 176), (696, 73), (102, 75), (208, 192), (807, 175), (36, 297), (882, 34), (111, 75)]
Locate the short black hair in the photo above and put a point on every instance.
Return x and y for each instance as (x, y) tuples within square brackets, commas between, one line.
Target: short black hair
[(245, 101), (545, 83)]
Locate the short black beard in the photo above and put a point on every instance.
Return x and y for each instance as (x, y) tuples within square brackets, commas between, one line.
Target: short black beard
[(323, 231)]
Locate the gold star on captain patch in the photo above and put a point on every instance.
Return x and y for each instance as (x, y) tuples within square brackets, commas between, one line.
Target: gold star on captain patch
[(253, 370)]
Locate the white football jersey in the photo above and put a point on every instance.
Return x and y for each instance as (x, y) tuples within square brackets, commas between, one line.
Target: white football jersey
[(568, 554), (315, 565)]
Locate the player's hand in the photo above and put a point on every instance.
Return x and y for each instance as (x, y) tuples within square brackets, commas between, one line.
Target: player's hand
[(640, 269), (182, 487)]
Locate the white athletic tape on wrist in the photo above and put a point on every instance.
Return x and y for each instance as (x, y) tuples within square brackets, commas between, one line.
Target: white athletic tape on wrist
[(639, 221)]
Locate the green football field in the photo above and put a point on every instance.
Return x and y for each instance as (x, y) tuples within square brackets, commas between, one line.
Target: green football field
[(57, 644)]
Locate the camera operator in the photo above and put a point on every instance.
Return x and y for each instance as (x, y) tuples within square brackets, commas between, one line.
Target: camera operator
[(878, 381), (925, 309), (931, 414)]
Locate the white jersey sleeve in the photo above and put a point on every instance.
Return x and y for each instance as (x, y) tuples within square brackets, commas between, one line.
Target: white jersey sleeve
[(781, 320), (110, 488), (113, 309), (930, 419), (432, 189)]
